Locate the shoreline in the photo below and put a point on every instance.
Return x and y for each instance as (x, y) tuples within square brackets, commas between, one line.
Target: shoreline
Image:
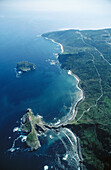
[(80, 99), (75, 107), (62, 49)]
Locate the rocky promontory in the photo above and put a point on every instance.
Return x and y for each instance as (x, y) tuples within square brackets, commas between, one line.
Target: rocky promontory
[(33, 126)]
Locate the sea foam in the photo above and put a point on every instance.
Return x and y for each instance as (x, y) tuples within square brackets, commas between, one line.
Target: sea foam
[(46, 167)]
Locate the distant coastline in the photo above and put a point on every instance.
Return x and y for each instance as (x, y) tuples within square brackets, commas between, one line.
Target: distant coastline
[(83, 29)]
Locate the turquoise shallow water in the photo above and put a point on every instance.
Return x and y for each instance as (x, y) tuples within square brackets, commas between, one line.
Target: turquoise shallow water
[(48, 91)]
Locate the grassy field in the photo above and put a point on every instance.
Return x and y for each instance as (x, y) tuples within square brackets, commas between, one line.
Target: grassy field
[(88, 55)]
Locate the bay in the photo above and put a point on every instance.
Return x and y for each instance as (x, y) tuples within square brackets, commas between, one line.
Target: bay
[(48, 91)]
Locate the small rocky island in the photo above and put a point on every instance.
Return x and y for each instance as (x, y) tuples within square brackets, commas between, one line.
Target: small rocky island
[(25, 66), (33, 126)]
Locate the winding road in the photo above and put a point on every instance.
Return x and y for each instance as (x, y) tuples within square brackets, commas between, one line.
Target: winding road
[(98, 74)]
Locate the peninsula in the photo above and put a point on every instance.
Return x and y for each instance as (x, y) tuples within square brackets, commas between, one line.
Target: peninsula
[(32, 126), (25, 66), (88, 55)]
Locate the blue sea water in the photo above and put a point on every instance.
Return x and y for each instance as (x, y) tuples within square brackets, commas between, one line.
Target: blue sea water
[(49, 91)]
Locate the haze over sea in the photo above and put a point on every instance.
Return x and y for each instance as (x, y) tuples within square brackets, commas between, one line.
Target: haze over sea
[(48, 91)]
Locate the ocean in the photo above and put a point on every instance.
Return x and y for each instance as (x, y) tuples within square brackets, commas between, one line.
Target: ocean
[(49, 91)]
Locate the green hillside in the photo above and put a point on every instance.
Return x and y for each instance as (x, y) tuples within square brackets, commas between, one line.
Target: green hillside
[(88, 55)]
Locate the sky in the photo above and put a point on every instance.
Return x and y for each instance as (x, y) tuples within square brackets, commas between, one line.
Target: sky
[(99, 11), (93, 6)]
